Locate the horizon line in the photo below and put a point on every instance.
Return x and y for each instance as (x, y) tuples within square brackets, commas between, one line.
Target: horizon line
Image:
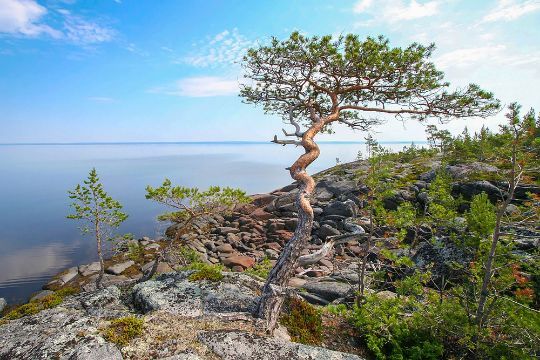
[(247, 142)]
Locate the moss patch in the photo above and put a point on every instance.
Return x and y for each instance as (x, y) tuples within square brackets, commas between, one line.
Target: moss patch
[(207, 272), (303, 321), (33, 307), (121, 331)]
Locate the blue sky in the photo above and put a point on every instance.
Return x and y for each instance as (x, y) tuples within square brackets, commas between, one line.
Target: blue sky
[(134, 70)]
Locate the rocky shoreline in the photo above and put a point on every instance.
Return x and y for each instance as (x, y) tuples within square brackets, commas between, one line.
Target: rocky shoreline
[(252, 233)]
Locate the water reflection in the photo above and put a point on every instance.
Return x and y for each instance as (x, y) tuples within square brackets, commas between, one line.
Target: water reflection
[(37, 240)]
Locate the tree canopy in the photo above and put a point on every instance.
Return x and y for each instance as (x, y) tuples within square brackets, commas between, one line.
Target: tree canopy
[(345, 78)]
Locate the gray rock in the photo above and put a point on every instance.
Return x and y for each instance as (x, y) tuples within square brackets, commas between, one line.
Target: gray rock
[(442, 253), (104, 303), (69, 275), (224, 230), (176, 294), (117, 269), (346, 208), (89, 269), (98, 351), (512, 209), (328, 290), (527, 244), (392, 202), (314, 299), (353, 228), (225, 248), (41, 295), (65, 332), (338, 188), (323, 194), (153, 246), (3, 304), (423, 198), (327, 230), (469, 189), (184, 356), (234, 345)]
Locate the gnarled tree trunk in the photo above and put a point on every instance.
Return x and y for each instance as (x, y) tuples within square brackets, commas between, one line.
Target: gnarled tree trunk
[(272, 298)]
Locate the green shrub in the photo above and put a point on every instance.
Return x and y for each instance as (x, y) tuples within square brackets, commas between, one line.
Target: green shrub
[(67, 291), (261, 269), (206, 272), (391, 334), (303, 321), (121, 331), (135, 252)]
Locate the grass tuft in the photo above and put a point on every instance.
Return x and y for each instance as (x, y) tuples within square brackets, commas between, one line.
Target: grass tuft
[(122, 330)]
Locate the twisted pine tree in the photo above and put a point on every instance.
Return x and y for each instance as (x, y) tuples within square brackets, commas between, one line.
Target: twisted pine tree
[(320, 81)]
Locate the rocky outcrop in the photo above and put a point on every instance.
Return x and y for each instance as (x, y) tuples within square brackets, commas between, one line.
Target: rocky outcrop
[(183, 319), (232, 345), (68, 331), (174, 293)]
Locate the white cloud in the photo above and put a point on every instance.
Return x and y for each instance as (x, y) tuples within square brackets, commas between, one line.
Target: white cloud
[(508, 10), (362, 6), (490, 54), (101, 99), (203, 86), (397, 10), (23, 17), (26, 18), (225, 48), (84, 32)]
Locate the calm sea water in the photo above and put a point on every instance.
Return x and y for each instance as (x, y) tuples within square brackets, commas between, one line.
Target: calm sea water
[(36, 239)]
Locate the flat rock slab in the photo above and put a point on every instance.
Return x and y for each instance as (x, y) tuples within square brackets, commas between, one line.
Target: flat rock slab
[(328, 290), (117, 269), (176, 294), (239, 260), (245, 346), (89, 269), (69, 275)]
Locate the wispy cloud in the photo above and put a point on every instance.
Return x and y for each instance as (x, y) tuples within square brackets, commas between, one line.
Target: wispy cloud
[(225, 48), (397, 10), (24, 18), (508, 10), (101, 99), (85, 32), (490, 54), (203, 86)]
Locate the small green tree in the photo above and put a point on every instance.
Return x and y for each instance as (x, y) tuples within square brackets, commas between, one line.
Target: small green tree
[(190, 205), (377, 180), (98, 211), (439, 139)]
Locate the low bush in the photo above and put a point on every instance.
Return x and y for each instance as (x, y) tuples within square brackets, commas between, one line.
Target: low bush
[(391, 329), (206, 272), (121, 331), (303, 321), (261, 269)]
